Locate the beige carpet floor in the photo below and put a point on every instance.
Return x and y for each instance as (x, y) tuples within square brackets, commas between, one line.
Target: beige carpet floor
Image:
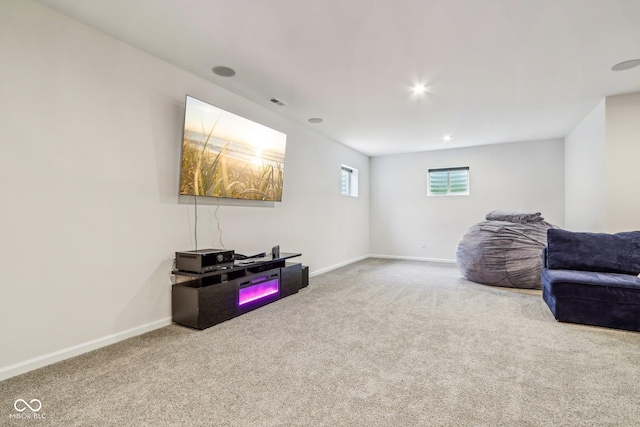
[(376, 343)]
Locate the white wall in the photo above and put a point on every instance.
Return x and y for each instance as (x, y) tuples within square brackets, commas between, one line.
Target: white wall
[(523, 176), (90, 136), (585, 173), (601, 168), (623, 162)]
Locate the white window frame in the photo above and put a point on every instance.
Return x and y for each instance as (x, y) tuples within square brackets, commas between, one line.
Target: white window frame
[(449, 192), (348, 181)]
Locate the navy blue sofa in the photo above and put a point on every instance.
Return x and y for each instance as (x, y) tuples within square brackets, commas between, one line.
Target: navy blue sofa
[(592, 278)]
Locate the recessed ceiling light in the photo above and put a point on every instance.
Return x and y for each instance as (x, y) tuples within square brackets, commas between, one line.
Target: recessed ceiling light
[(315, 120), (419, 89), (626, 65), (447, 137), (223, 71)]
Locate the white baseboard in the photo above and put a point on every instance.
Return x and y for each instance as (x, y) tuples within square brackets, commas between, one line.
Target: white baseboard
[(406, 258), (411, 258), (76, 350), (333, 267)]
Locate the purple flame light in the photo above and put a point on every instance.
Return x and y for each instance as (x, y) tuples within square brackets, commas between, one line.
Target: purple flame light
[(255, 292)]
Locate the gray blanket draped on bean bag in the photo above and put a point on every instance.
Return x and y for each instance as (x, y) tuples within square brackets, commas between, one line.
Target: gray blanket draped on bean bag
[(505, 250)]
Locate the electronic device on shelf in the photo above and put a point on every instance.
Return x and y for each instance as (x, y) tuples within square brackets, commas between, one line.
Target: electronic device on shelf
[(203, 260), (241, 257)]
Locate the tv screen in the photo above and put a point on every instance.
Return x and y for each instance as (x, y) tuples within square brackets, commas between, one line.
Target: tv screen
[(225, 155)]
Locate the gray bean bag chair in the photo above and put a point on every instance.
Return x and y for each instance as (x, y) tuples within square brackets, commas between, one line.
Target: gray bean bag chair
[(505, 250)]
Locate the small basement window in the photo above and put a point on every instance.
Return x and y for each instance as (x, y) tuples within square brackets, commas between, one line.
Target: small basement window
[(449, 181), (349, 181)]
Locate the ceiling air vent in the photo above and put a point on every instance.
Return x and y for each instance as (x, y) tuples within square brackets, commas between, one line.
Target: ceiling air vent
[(277, 102)]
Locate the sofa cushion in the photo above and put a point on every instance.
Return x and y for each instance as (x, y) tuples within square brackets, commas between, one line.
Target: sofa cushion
[(597, 252), (586, 285)]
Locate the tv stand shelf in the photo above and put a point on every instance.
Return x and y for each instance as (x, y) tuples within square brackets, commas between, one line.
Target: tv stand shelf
[(203, 300)]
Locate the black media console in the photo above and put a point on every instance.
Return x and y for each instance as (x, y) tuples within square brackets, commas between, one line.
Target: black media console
[(203, 300)]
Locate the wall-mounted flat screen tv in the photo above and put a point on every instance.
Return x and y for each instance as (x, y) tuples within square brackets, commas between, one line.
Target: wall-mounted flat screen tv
[(228, 156)]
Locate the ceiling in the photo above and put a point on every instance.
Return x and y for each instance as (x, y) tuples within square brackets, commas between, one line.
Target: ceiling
[(495, 70)]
